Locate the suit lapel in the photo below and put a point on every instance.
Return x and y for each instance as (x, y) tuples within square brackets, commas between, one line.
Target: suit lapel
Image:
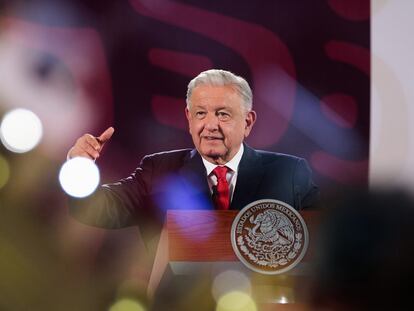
[(194, 172), (248, 180)]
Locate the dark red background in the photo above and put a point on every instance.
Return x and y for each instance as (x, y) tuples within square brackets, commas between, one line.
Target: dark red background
[(307, 62)]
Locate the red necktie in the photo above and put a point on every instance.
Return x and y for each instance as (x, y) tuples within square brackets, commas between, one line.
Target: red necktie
[(222, 196)]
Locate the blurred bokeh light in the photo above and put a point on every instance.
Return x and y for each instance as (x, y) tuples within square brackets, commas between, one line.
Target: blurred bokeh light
[(79, 177), (283, 299), (43, 69), (20, 130), (236, 301), (228, 281), (127, 304)]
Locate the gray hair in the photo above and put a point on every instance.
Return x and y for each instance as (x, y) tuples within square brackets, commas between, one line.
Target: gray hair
[(218, 77)]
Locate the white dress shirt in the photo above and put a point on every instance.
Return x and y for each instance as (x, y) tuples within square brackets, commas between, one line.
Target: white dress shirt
[(231, 175)]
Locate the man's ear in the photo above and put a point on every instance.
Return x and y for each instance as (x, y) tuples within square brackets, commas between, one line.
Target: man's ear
[(188, 116), (250, 120), (187, 113)]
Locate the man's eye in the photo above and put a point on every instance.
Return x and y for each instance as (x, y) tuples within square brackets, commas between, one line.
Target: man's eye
[(223, 115), (200, 114)]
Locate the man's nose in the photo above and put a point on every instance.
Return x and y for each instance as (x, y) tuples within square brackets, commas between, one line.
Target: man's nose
[(211, 122)]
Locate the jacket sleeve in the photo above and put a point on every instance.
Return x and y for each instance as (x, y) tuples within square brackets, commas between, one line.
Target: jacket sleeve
[(117, 205)]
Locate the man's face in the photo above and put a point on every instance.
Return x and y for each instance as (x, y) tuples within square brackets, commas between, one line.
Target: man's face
[(218, 122)]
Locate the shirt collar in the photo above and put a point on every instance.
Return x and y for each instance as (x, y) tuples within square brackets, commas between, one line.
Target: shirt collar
[(233, 164)]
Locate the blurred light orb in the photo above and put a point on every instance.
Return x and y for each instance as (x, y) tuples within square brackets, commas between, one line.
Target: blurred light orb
[(4, 171), (230, 281), (127, 304), (79, 177), (283, 300), (236, 301), (20, 130)]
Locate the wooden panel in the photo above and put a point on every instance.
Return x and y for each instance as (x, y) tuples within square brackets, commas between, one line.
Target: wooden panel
[(200, 235), (205, 235)]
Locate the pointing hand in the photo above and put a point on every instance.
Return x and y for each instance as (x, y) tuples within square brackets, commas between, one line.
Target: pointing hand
[(89, 146)]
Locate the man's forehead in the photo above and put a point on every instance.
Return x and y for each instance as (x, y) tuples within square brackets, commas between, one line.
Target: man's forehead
[(214, 93)]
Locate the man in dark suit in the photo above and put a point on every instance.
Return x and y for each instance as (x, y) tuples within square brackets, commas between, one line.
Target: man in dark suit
[(222, 172)]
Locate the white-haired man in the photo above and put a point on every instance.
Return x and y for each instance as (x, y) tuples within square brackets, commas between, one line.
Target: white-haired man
[(222, 172)]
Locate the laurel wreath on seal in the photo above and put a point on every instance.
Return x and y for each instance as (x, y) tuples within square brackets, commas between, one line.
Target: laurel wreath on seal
[(269, 255)]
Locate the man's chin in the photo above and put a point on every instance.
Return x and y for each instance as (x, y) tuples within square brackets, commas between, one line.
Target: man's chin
[(212, 154)]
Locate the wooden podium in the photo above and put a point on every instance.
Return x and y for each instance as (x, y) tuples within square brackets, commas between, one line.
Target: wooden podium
[(195, 242)]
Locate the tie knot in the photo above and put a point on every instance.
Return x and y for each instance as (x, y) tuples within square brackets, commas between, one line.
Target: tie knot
[(220, 172)]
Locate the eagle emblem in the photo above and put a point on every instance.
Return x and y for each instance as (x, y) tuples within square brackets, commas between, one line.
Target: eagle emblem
[(269, 236)]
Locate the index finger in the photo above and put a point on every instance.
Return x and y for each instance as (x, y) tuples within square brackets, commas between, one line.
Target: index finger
[(106, 135)]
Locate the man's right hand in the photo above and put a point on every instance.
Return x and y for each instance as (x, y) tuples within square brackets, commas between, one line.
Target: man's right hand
[(89, 146)]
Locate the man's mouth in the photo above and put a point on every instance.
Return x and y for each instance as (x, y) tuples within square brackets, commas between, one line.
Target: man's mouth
[(212, 138)]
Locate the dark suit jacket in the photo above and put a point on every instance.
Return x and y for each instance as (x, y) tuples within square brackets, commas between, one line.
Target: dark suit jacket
[(177, 179)]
